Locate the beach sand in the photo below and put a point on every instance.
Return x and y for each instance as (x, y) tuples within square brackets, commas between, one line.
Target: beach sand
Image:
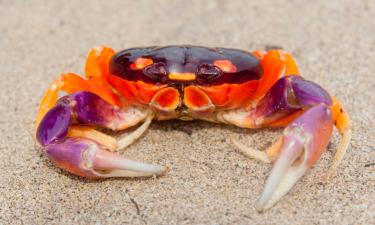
[(209, 181)]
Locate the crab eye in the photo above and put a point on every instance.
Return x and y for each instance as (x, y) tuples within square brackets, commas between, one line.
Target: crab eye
[(156, 72), (208, 72)]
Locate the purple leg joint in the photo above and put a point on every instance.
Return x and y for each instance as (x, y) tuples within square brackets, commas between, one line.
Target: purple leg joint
[(288, 95), (91, 109), (54, 125), (81, 107), (309, 93)]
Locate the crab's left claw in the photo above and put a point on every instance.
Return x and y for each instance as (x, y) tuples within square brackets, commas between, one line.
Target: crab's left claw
[(309, 114), (301, 145), (86, 158)]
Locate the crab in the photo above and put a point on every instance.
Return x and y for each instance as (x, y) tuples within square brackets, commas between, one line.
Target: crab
[(138, 85)]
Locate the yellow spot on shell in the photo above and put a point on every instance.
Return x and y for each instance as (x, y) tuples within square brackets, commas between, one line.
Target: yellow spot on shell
[(182, 76)]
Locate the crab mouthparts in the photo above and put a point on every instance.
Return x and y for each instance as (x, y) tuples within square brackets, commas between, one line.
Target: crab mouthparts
[(180, 100)]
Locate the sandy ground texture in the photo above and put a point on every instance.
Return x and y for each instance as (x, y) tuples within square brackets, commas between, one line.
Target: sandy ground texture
[(209, 181)]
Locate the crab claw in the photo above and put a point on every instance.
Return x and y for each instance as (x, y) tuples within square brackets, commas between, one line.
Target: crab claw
[(301, 145), (83, 151), (86, 158)]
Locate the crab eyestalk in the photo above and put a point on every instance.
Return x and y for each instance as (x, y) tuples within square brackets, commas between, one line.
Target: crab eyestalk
[(88, 157)]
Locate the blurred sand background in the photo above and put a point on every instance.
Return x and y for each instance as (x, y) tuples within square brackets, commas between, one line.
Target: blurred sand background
[(209, 181)]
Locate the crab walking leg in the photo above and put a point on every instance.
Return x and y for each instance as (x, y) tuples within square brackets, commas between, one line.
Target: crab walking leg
[(250, 152), (97, 62), (88, 157), (90, 133), (344, 124), (128, 140), (267, 156)]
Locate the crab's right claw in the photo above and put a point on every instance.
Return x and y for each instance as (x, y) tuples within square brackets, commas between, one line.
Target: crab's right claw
[(86, 158), (301, 145)]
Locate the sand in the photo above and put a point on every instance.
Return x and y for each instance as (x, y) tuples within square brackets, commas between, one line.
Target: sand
[(209, 181)]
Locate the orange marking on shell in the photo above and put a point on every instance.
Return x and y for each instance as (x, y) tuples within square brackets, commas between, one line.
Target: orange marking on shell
[(226, 66), (182, 76), (141, 63), (166, 99), (195, 98)]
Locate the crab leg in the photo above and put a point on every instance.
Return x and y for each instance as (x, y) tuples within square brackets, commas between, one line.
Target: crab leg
[(309, 114), (128, 140), (250, 152), (90, 133), (85, 156)]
